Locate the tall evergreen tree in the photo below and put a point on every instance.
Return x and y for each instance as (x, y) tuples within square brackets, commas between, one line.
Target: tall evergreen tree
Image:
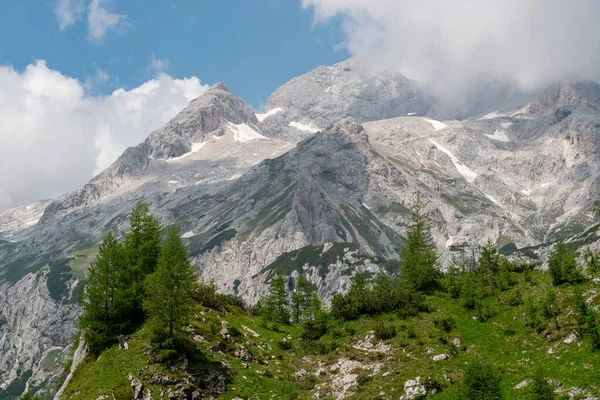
[(276, 303), (418, 256), (170, 287), (141, 247), (301, 300), (105, 300), (562, 265)]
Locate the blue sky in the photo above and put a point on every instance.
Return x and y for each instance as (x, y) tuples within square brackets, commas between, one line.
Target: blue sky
[(254, 46)]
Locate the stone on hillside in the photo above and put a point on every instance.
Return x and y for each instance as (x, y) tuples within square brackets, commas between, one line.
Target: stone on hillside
[(522, 384), (570, 339), (413, 389)]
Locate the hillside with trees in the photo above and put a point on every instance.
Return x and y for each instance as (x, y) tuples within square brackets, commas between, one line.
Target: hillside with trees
[(487, 328)]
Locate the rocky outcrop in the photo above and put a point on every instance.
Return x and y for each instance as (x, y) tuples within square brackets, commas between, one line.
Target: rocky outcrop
[(32, 322)]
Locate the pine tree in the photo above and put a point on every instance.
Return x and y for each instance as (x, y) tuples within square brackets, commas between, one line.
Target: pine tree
[(562, 265), (301, 300), (142, 247), (105, 301), (418, 257), (276, 303), (169, 288)]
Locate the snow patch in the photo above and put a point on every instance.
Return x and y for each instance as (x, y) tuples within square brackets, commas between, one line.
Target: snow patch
[(465, 171), (187, 235), (195, 148), (234, 177), (491, 198), (505, 124), (262, 116), (527, 192), (302, 127), (546, 184), (244, 133), (173, 182), (437, 125), (411, 114), (500, 136), (328, 89)]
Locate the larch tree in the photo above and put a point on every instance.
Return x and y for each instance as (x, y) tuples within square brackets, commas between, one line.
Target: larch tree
[(141, 249), (170, 287), (418, 256), (105, 300)]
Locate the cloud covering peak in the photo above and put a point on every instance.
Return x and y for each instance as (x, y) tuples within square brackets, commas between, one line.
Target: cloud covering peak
[(531, 42)]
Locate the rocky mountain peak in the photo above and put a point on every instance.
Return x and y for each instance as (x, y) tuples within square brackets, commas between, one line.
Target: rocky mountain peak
[(205, 114), (350, 127), (328, 94), (566, 93), (218, 86)]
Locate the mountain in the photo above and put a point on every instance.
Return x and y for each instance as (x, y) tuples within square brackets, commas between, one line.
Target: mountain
[(320, 182), (328, 94)]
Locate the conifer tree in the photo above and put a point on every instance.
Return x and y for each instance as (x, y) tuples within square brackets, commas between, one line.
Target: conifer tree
[(562, 265), (301, 300), (170, 288), (105, 301), (418, 257), (276, 303), (141, 247)]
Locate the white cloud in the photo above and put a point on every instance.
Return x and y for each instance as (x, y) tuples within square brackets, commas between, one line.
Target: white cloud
[(68, 12), (100, 20), (531, 42), (55, 137)]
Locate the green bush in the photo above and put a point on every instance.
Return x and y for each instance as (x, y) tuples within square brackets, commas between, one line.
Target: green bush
[(384, 331), (362, 380), (445, 324), (541, 389), (483, 311), (562, 265), (207, 294), (481, 382), (285, 345)]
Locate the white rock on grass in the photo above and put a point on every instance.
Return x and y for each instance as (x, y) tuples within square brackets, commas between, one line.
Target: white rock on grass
[(522, 384), (413, 389), (570, 339)]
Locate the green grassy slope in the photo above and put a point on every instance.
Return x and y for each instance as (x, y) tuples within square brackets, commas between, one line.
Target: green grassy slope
[(350, 361)]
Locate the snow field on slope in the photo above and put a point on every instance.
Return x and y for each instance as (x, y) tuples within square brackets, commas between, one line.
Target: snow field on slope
[(465, 171)]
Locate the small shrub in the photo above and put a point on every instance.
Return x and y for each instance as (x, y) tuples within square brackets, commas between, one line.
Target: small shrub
[(362, 380), (287, 345), (350, 330), (445, 324), (515, 298), (410, 332), (384, 331), (483, 311), (235, 332), (541, 389), (481, 382), (336, 333), (207, 295)]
